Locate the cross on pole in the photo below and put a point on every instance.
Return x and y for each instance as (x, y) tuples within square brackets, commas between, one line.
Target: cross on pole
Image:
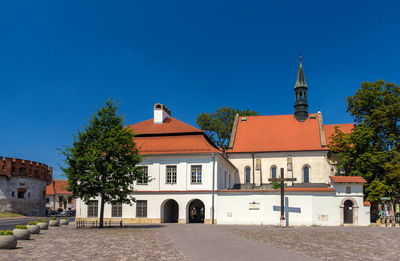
[(282, 179)]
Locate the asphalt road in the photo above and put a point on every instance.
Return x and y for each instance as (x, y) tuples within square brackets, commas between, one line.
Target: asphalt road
[(10, 223)]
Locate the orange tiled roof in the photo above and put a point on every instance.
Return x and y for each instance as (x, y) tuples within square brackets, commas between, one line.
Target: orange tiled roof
[(60, 187), (330, 129), (347, 179), (169, 126), (174, 144), (277, 133), (367, 203)]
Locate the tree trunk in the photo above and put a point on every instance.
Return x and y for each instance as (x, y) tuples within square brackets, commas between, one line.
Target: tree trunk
[(101, 212)]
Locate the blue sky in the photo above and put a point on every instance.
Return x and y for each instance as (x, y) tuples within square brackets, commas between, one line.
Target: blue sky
[(60, 60)]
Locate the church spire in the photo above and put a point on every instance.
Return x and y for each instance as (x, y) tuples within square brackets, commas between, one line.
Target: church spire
[(300, 91)]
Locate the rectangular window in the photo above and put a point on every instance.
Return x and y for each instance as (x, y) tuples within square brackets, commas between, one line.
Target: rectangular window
[(171, 174), (141, 208), (69, 200), (47, 200), (93, 208), (144, 178), (196, 174), (116, 210)]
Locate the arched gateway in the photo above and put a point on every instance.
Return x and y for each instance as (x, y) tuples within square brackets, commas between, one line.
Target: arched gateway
[(170, 211), (348, 212), (196, 211)]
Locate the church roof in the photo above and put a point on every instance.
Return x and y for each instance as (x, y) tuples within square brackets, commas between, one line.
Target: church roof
[(277, 133), (170, 137), (330, 129), (347, 179), (169, 126)]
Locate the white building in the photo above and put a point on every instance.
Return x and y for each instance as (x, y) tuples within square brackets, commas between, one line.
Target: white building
[(190, 180), (184, 171)]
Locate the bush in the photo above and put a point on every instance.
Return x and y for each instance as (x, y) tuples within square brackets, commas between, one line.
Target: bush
[(32, 223), (20, 227), (53, 218), (65, 218), (6, 233), (276, 185), (42, 220)]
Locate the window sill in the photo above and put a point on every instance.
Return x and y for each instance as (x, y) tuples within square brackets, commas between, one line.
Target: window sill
[(196, 183)]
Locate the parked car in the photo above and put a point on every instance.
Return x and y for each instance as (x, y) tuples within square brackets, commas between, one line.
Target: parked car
[(68, 213)]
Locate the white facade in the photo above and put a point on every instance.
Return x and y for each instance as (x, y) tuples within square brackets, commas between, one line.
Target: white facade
[(319, 166), (304, 207), (158, 191), (301, 208)]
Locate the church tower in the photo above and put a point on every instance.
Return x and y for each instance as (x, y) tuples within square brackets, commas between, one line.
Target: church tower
[(300, 91)]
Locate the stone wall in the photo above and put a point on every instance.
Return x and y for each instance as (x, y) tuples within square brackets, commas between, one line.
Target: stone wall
[(26, 196)]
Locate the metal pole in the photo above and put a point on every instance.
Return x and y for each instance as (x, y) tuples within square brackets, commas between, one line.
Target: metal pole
[(213, 184), (282, 197)]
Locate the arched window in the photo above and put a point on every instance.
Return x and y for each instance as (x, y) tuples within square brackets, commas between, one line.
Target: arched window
[(273, 172), (306, 174), (247, 173), (348, 190)]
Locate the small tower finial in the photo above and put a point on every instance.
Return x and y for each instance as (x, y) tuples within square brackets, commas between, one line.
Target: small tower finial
[(300, 90)]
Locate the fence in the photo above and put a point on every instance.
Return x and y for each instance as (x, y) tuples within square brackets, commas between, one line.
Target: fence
[(96, 224)]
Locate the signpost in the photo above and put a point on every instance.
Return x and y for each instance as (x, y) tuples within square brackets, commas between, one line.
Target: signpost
[(282, 179)]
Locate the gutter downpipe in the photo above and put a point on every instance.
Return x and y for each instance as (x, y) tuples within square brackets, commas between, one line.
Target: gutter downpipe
[(212, 190), (254, 181)]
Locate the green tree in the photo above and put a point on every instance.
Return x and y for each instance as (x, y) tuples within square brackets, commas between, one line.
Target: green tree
[(371, 150), (218, 125), (102, 160)]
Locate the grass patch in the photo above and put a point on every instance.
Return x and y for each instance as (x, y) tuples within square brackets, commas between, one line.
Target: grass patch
[(8, 214)]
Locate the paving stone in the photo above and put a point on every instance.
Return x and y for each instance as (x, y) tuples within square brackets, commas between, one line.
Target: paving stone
[(330, 243), (69, 243)]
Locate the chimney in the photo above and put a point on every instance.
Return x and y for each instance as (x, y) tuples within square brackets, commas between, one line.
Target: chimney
[(161, 112)]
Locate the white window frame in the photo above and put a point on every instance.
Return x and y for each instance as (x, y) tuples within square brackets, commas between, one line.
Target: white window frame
[(196, 174), (146, 177), (171, 174)]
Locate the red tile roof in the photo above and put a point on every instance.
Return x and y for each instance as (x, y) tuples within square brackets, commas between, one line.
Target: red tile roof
[(169, 126), (60, 187), (367, 203), (347, 179), (277, 133), (170, 137), (174, 144), (330, 129)]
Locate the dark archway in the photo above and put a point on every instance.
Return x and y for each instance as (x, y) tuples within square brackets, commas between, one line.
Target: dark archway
[(348, 212), (170, 211), (196, 211)]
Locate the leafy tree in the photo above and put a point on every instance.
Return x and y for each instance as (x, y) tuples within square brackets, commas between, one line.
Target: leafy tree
[(218, 125), (102, 160), (371, 150)]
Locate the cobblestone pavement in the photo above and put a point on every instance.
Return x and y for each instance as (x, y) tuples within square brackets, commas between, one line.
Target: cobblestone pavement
[(330, 243), (68, 243)]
